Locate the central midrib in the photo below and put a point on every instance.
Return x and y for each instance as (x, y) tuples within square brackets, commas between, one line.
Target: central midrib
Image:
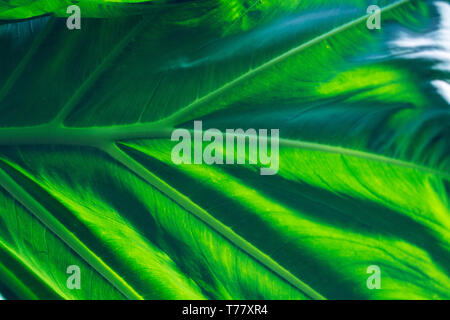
[(105, 137)]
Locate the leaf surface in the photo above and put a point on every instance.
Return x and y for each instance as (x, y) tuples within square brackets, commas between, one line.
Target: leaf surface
[(85, 161)]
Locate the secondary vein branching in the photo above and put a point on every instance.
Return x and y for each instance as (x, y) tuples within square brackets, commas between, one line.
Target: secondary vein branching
[(93, 76), (42, 214), (182, 115), (26, 59), (212, 222)]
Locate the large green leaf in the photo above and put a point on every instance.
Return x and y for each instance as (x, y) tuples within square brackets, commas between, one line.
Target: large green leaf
[(85, 160)]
